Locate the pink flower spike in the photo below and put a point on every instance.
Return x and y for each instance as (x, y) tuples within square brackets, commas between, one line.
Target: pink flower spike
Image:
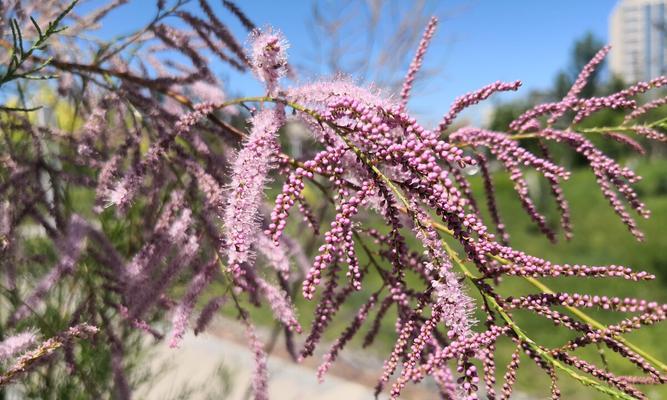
[(417, 61), (249, 176), (473, 98), (269, 57)]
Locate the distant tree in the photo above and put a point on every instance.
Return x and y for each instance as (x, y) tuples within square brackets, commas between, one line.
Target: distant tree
[(582, 51), (614, 84), (505, 113), (562, 84)]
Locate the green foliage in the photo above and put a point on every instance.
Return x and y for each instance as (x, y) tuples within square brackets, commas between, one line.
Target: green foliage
[(583, 51), (19, 54)]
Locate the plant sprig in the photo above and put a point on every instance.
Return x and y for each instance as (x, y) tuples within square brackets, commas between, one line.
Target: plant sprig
[(19, 54)]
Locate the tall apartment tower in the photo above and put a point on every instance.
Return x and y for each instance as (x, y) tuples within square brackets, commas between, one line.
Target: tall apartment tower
[(638, 36)]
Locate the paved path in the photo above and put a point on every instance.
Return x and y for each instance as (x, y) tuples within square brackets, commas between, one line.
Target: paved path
[(199, 360), (195, 364)]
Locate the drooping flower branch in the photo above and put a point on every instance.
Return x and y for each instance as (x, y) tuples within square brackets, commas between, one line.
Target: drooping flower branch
[(370, 130)]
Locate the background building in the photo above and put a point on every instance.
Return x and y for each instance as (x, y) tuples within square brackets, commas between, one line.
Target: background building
[(637, 30)]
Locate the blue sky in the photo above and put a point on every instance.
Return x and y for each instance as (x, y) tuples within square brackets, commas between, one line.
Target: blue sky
[(478, 41)]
